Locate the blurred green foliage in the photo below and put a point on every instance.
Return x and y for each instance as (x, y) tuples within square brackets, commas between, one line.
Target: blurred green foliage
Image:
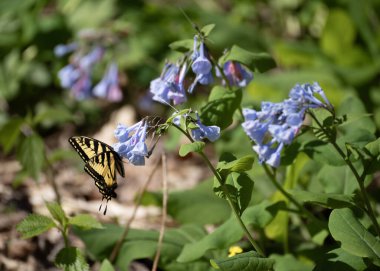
[(334, 42)]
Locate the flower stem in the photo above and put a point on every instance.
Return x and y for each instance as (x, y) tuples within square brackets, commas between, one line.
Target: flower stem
[(232, 205), (359, 179), (227, 194)]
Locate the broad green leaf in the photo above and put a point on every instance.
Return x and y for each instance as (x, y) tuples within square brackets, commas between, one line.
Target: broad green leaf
[(50, 116), (277, 229), (138, 244), (196, 146), (354, 238), (182, 46), (228, 233), (187, 206), (338, 34), (206, 30), (220, 107), (288, 262), (71, 259), (239, 187), (248, 261), (339, 260), (374, 147), (357, 117), (239, 165), (57, 212), (331, 201), (85, 221), (254, 61), (106, 266), (34, 224), (31, 154), (10, 132), (337, 180), (323, 152)]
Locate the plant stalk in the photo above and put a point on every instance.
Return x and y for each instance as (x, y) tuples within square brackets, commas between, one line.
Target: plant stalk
[(358, 178)]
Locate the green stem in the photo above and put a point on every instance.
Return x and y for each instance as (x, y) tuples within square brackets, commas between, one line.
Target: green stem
[(359, 179), (65, 238), (229, 199)]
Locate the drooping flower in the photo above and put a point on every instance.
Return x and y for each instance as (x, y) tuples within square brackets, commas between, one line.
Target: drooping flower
[(131, 143), (169, 86), (63, 49), (87, 61), (108, 87), (237, 75), (76, 76), (202, 131), (277, 124), (201, 66)]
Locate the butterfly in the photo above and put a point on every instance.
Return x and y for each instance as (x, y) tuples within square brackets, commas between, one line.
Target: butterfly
[(102, 162)]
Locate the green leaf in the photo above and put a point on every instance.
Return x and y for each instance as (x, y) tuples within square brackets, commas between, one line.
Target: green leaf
[(34, 224), (196, 146), (182, 46), (239, 165), (357, 116), (331, 201), (10, 132), (206, 30), (31, 155), (187, 206), (337, 180), (85, 221), (138, 244), (239, 187), (374, 147), (254, 61), (289, 263), (71, 259), (338, 34), (228, 233), (57, 212), (354, 238), (339, 260), (220, 107), (106, 266), (248, 261)]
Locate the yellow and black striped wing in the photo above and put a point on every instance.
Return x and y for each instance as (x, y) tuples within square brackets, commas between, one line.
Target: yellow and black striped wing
[(89, 148)]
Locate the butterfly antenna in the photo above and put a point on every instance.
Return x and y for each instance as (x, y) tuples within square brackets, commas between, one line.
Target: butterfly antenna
[(105, 209), (152, 148)]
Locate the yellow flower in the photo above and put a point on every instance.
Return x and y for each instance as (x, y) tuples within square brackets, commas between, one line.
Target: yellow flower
[(234, 250)]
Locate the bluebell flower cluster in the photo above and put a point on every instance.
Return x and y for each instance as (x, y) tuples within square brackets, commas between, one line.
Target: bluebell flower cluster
[(169, 87), (236, 74), (77, 75), (277, 124), (131, 142), (201, 131), (108, 88)]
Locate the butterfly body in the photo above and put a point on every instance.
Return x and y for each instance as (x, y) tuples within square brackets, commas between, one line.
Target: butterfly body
[(102, 163)]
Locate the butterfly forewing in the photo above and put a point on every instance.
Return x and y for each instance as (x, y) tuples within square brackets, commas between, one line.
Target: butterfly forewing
[(88, 147), (102, 162)]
